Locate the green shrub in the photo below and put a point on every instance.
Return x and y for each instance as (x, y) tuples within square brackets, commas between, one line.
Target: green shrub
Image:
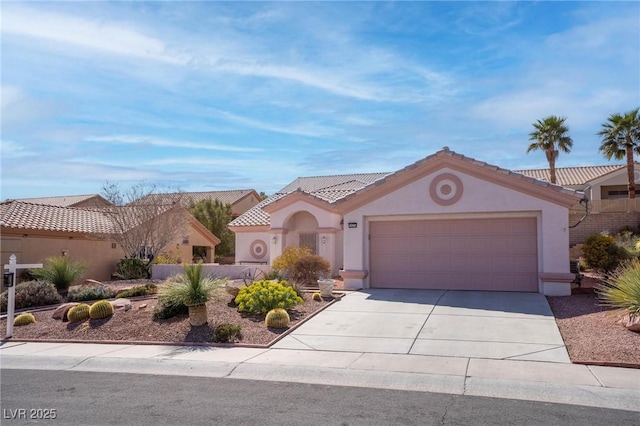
[(192, 287), (78, 313), (285, 263), (139, 290), (24, 319), (90, 292), (101, 309), (263, 296), (308, 269), (226, 333), (601, 252), (31, 294), (132, 269), (622, 288), (60, 271), (277, 318), (166, 309)]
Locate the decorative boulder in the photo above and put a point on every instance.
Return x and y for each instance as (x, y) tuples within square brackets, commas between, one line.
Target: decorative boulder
[(122, 304), (632, 322), (61, 311)]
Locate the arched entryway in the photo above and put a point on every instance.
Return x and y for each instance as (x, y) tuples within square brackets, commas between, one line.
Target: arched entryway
[(302, 231)]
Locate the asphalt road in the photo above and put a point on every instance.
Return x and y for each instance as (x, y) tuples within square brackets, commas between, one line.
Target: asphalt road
[(84, 398)]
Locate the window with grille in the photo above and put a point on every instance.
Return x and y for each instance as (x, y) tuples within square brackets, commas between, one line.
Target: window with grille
[(310, 241)]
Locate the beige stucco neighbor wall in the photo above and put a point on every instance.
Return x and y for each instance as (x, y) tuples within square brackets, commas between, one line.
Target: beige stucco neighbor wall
[(245, 204), (99, 255), (480, 198)]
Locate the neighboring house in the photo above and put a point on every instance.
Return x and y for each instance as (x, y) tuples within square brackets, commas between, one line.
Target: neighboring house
[(35, 232), (91, 200), (606, 188), (446, 221), (241, 200)]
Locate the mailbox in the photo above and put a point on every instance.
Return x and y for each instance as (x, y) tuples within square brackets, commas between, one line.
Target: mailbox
[(8, 279)]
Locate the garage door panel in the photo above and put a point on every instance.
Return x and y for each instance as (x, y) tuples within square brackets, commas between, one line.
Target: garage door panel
[(484, 254)]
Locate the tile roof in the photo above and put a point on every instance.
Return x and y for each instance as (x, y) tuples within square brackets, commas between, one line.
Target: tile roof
[(328, 188), (24, 215), (61, 201), (86, 220), (572, 176), (337, 188), (225, 197)]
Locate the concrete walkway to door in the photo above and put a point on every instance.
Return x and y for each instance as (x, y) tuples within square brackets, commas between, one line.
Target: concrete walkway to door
[(470, 324)]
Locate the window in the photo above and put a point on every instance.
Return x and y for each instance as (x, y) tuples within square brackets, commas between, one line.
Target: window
[(310, 241)]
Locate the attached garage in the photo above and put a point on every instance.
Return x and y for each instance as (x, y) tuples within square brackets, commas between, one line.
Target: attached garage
[(460, 254)]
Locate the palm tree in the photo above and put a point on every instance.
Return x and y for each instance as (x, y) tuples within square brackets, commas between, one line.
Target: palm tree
[(551, 137), (621, 138)]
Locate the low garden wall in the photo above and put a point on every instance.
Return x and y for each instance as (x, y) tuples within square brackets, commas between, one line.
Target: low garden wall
[(234, 272)]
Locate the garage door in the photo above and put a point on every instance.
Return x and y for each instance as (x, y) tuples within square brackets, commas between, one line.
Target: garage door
[(461, 254)]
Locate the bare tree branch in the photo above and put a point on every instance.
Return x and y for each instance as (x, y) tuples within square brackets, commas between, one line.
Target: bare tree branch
[(144, 220)]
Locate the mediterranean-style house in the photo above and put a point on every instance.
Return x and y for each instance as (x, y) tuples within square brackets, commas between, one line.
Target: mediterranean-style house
[(605, 187), (446, 221), (35, 232)]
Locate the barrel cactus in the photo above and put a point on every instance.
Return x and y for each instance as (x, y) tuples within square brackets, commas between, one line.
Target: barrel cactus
[(277, 318), (24, 319), (78, 313), (101, 309), (317, 297)]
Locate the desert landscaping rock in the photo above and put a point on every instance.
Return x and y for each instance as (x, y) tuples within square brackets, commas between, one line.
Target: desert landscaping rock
[(632, 322), (60, 313), (122, 304)]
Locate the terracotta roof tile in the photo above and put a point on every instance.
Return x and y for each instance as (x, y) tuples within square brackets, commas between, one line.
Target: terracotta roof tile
[(572, 176), (338, 187), (230, 197), (62, 201), (23, 215)]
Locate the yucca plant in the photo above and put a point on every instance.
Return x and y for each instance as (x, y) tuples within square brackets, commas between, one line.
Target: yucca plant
[(194, 289), (621, 289), (60, 271)]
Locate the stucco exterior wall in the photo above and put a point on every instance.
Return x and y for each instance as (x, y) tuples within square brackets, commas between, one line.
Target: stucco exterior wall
[(99, 255), (480, 198), (244, 241), (245, 204), (614, 179)]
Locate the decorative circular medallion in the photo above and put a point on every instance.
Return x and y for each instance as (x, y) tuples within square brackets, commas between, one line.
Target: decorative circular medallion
[(446, 189), (636, 176), (258, 249)]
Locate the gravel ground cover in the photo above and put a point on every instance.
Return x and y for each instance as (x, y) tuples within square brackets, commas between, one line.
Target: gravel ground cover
[(137, 324), (592, 332)]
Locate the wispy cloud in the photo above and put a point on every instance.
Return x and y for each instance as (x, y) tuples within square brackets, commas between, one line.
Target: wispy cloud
[(167, 143), (108, 37)]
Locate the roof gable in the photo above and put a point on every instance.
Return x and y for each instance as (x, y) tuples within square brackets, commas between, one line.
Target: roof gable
[(449, 159)]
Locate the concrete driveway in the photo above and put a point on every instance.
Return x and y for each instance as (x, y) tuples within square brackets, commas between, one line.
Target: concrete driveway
[(473, 324)]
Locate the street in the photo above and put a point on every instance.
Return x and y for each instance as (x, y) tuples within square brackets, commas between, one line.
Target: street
[(87, 398)]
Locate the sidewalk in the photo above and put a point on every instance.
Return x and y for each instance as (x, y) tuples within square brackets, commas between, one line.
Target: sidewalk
[(606, 387)]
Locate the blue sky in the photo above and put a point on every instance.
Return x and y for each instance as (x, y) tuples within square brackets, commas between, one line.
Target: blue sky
[(232, 95)]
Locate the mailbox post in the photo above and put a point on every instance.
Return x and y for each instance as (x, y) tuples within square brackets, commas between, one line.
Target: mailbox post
[(9, 281)]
